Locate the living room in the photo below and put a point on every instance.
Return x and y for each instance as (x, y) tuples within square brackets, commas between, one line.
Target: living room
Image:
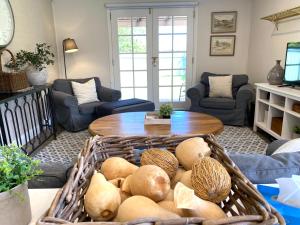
[(124, 76)]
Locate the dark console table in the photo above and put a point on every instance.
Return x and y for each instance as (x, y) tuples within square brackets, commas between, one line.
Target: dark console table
[(27, 118)]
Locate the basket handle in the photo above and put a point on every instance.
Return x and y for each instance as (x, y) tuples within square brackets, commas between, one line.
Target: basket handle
[(11, 55)]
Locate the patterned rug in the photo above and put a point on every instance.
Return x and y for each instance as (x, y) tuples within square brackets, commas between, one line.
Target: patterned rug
[(67, 145)]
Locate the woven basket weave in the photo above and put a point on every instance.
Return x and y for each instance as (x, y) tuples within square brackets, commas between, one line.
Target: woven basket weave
[(12, 82), (244, 205)]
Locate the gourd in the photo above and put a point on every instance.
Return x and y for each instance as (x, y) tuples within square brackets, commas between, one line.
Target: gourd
[(170, 206), (193, 206), (170, 195), (117, 182), (210, 180), (188, 151), (177, 177), (161, 158), (137, 207), (150, 181), (123, 195), (102, 199), (117, 167), (186, 178), (125, 186)]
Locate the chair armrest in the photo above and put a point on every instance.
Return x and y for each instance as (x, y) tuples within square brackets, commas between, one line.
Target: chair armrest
[(109, 95), (64, 99), (244, 96), (272, 147), (196, 93)]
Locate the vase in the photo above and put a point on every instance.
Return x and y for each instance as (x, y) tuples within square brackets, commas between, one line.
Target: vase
[(36, 77), (15, 206), (275, 76)]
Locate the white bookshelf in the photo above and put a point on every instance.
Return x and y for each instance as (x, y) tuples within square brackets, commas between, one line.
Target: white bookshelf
[(273, 101)]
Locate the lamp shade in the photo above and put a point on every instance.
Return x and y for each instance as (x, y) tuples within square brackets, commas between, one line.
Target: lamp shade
[(70, 45)]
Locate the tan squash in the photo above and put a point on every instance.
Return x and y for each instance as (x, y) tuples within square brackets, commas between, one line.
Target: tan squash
[(161, 158), (193, 206), (177, 177), (117, 182), (137, 207), (170, 196), (102, 199), (170, 206), (186, 178), (125, 186), (117, 167), (123, 195), (188, 151), (150, 181), (210, 180)]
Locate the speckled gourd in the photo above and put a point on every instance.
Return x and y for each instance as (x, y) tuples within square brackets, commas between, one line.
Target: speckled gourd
[(210, 180), (162, 158)]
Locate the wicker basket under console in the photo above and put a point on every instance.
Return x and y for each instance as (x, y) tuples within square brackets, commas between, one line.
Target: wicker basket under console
[(244, 205)]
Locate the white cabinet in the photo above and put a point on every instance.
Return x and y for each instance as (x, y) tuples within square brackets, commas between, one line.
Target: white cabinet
[(273, 101)]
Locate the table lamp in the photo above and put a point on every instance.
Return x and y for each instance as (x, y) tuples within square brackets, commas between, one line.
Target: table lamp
[(69, 46)]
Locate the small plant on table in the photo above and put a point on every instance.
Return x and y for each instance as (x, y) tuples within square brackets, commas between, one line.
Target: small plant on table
[(165, 111)]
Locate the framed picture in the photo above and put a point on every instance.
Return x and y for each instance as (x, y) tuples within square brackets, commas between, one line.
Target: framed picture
[(223, 22), (222, 45)]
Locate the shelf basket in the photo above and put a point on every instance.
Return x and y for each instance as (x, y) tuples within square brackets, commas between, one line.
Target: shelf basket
[(11, 82), (244, 205)]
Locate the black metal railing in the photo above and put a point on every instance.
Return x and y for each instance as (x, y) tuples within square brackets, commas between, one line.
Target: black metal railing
[(27, 118)]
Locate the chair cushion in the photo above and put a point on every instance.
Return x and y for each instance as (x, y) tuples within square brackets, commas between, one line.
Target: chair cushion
[(220, 86), (89, 108), (128, 105), (238, 80), (65, 86), (261, 169), (85, 92), (218, 103)]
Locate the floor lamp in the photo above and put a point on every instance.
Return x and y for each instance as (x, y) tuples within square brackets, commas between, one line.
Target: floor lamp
[(69, 46)]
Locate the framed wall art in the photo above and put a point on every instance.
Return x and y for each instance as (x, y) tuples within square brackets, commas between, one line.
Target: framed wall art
[(223, 22), (222, 45)]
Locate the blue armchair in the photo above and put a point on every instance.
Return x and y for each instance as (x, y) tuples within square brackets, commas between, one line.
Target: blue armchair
[(69, 114), (232, 111)]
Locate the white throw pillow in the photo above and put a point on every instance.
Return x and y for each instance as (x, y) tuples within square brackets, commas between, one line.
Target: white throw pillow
[(290, 146), (220, 86), (85, 92)]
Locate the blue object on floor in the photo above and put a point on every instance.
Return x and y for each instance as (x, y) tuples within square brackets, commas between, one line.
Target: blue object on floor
[(291, 214)]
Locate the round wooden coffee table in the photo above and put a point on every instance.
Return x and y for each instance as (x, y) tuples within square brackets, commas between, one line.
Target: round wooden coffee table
[(132, 123)]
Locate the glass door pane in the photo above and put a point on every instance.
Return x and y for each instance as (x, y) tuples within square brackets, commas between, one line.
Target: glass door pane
[(172, 58), (131, 49), (172, 32), (132, 42)]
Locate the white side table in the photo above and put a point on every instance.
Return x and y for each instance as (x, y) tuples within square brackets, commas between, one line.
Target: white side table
[(40, 201)]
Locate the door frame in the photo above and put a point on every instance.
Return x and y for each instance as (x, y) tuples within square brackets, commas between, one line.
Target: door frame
[(115, 6)]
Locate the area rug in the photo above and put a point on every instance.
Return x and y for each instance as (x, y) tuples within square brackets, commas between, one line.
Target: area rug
[(67, 145)]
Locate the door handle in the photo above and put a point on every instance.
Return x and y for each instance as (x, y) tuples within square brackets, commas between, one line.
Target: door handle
[(154, 61)]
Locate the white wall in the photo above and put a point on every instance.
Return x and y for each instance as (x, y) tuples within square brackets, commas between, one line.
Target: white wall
[(224, 64), (86, 22), (34, 24), (267, 44)]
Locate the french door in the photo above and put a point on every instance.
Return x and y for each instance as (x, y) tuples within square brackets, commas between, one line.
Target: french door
[(152, 53)]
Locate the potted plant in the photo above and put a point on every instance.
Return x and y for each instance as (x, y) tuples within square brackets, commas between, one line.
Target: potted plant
[(296, 133), (165, 111), (16, 168), (34, 63)]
